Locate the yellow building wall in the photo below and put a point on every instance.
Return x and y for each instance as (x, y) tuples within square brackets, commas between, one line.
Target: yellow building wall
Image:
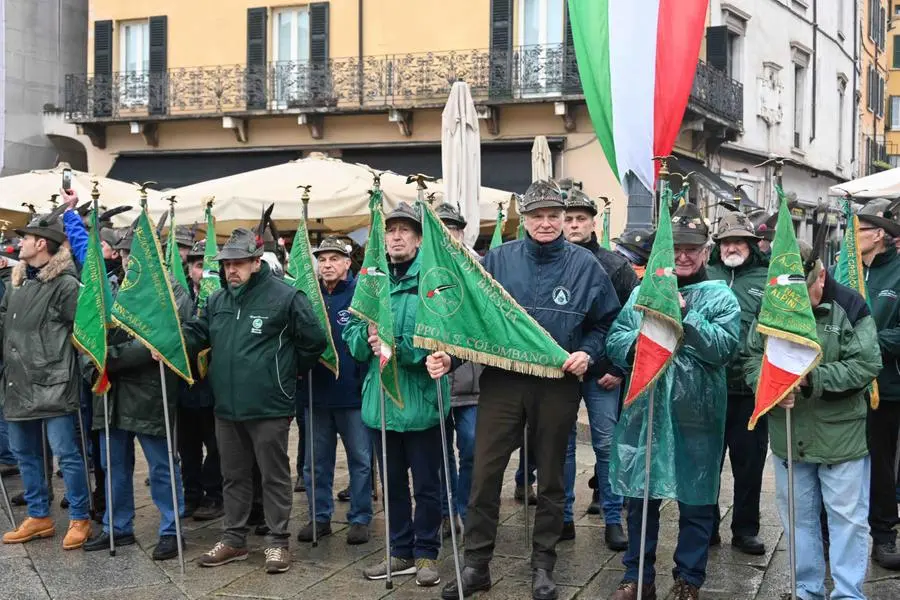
[(892, 88), (869, 124)]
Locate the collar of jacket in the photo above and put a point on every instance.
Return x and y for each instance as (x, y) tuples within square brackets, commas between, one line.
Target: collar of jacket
[(592, 244), (884, 258), (341, 286), (58, 264), (410, 279), (756, 259), (545, 253), (255, 279)]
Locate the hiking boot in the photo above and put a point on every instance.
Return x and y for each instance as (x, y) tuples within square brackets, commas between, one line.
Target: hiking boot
[(399, 566), (568, 532), (344, 494), (542, 585), (79, 532), (748, 544), (209, 510), (615, 537), (520, 495), (427, 572), (885, 556), (300, 486), (358, 534), (628, 590), (31, 529), (473, 580), (685, 591), (323, 528), (101, 542), (166, 549), (278, 560), (221, 555)]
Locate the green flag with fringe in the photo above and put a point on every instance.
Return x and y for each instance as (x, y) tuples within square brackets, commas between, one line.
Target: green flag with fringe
[(464, 312), (173, 257), (497, 238)]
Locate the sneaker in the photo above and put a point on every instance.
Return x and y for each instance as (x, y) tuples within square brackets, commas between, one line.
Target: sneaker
[(221, 555), (323, 528), (278, 560), (568, 532), (79, 532), (427, 573), (399, 566), (167, 548), (209, 510), (520, 495), (31, 529), (886, 556), (101, 542), (358, 534)]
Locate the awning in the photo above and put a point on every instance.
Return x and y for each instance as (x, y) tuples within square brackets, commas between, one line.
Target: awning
[(713, 182)]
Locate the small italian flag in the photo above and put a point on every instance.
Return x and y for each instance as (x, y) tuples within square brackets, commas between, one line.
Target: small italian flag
[(657, 299), (786, 318)]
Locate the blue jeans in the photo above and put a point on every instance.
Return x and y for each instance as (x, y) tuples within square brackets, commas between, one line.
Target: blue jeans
[(121, 450), (461, 421), (416, 536), (603, 414), (327, 424), (26, 440), (844, 489), (695, 525), (6, 455)]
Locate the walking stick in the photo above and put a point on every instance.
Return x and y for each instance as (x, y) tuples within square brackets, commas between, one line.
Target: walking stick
[(384, 486), (312, 463), (12, 517), (84, 458), (527, 486), (108, 478), (440, 398), (792, 549), (165, 399), (647, 457)]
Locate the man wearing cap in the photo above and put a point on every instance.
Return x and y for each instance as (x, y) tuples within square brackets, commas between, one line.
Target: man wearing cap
[(337, 404), (689, 425), (262, 332), (567, 292), (764, 227), (413, 431), (463, 409), (877, 225), (41, 379), (828, 421), (601, 391), (737, 260), (634, 245)]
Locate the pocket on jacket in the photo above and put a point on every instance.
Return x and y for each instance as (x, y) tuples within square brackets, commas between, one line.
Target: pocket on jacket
[(49, 376)]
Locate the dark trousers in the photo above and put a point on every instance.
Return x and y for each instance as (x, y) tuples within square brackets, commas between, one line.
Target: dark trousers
[(301, 440), (419, 452), (202, 477), (883, 425), (747, 451), (508, 401)]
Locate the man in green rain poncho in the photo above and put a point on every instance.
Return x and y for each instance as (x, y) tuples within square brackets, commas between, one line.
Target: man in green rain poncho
[(690, 401)]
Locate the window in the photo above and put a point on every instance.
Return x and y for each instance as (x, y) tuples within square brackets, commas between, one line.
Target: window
[(542, 28), (134, 61), (734, 47), (799, 98), (842, 90), (882, 26), (290, 49), (896, 60), (879, 110), (897, 9), (895, 113)]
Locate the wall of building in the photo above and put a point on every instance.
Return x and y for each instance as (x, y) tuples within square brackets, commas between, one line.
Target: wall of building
[(892, 109), (43, 41), (870, 124)]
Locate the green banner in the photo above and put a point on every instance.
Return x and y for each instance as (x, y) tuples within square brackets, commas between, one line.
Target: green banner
[(659, 289), (210, 281), (173, 257), (497, 238)]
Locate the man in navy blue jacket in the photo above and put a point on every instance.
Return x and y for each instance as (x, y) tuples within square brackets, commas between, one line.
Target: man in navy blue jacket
[(337, 407)]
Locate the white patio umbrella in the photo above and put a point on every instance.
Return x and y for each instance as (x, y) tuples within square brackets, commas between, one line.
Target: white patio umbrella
[(461, 157), (541, 160), (880, 185)]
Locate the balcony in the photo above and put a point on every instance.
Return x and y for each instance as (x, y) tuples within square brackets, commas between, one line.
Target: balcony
[(716, 95)]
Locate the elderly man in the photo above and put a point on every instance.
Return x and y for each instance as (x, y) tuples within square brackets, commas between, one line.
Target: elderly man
[(567, 292), (337, 405), (41, 378), (601, 391), (413, 431), (689, 422), (262, 332), (831, 458), (882, 275), (738, 261)]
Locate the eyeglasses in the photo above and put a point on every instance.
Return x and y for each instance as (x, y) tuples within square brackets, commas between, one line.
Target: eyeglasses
[(690, 251)]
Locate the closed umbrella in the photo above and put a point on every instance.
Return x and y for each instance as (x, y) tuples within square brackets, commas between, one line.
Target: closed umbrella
[(461, 157), (541, 160)]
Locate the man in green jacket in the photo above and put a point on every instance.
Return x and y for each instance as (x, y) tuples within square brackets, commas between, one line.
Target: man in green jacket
[(261, 332), (738, 261), (413, 432), (882, 275), (828, 418)]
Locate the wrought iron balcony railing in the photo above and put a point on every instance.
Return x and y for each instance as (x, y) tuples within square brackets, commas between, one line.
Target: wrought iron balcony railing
[(714, 91)]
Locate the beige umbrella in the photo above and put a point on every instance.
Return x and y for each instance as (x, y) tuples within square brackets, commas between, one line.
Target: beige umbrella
[(461, 157), (541, 160)]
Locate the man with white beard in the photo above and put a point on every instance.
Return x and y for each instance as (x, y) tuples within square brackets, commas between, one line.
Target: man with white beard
[(738, 260)]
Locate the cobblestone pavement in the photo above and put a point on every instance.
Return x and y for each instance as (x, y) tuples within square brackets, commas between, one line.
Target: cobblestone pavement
[(332, 571)]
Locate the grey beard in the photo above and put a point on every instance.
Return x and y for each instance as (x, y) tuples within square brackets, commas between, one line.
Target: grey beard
[(734, 260)]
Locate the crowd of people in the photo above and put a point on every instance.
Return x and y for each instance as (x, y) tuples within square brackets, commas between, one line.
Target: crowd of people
[(261, 341)]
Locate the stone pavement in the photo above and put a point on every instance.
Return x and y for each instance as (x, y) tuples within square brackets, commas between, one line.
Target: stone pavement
[(586, 569)]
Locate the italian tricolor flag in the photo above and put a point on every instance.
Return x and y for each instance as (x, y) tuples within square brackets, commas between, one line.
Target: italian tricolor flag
[(657, 299), (637, 60), (786, 318)]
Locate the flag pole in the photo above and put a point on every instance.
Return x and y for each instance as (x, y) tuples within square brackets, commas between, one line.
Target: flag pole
[(526, 485), (84, 458), (165, 401), (309, 416), (384, 485), (646, 505), (109, 493), (12, 517)]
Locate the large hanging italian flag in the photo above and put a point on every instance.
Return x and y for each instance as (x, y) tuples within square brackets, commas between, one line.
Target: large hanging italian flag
[(637, 60)]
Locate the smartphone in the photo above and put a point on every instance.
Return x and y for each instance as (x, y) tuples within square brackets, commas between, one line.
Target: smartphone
[(67, 179)]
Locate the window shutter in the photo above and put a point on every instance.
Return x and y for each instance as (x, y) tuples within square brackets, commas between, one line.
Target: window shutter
[(319, 68), (257, 23), (717, 47), (880, 96), (571, 78), (103, 75), (159, 80), (501, 51), (882, 25)]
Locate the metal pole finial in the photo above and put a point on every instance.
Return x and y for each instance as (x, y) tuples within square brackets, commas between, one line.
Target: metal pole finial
[(420, 179), (664, 165), (95, 190)]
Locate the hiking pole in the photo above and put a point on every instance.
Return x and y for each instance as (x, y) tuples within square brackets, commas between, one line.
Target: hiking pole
[(526, 484), (311, 455), (12, 517), (84, 459), (108, 477), (440, 399), (388, 584), (792, 549), (165, 400), (647, 457)]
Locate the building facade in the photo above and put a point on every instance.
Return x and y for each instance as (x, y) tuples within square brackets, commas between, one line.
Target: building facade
[(892, 100), (874, 63), (177, 92)]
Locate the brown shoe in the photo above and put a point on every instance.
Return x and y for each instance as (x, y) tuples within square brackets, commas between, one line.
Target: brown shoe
[(627, 590), (31, 529), (222, 554), (79, 532), (685, 591)]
